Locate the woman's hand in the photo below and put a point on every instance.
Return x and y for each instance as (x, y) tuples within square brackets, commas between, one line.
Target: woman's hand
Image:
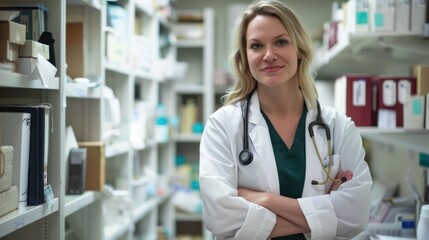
[(335, 185)]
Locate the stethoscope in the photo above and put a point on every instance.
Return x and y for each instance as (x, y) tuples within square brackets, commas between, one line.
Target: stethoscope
[(246, 156)]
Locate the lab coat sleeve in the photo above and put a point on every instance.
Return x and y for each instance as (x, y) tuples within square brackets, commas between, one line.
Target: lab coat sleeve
[(224, 213), (344, 213)]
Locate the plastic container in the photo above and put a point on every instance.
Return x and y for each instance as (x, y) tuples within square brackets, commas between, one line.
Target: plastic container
[(423, 224)]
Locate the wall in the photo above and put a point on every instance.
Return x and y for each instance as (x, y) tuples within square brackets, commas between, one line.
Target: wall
[(313, 14)]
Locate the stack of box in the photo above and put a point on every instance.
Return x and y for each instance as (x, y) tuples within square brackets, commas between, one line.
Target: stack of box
[(416, 107), (28, 54), (385, 101), (12, 35), (8, 193), (400, 16), (16, 53)]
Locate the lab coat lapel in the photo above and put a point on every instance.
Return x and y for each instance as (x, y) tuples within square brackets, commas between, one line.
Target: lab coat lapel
[(313, 167), (261, 141)]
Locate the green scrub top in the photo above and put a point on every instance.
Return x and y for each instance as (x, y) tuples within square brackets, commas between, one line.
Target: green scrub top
[(290, 163)]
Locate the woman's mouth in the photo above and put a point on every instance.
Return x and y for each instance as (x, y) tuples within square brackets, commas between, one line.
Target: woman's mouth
[(271, 68)]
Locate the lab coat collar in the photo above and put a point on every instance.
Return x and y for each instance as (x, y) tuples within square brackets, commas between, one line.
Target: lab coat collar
[(259, 137)]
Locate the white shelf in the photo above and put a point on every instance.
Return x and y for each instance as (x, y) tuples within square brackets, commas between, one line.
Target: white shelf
[(144, 75), (22, 217), (84, 94), (74, 203), (188, 217), (192, 43), (16, 80), (188, 138), (118, 68), (145, 8), (369, 53), (415, 140), (116, 149), (91, 3), (116, 230), (188, 88), (147, 206)]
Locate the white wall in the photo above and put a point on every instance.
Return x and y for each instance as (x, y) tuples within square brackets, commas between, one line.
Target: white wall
[(313, 14), (326, 90)]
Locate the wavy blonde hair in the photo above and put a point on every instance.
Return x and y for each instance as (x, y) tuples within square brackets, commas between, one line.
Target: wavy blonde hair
[(245, 83)]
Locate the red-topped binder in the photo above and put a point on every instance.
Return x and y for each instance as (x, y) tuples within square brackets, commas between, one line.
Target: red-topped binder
[(354, 96)]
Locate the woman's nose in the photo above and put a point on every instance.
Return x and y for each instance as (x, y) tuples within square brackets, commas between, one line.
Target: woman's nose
[(270, 54)]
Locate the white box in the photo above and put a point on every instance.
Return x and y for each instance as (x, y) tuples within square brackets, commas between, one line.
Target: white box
[(31, 48), (6, 165), (402, 16), (8, 200), (418, 15), (384, 15), (364, 15), (414, 112), (26, 65)]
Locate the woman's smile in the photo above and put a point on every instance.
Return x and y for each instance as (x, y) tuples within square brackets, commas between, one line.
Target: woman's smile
[(272, 68)]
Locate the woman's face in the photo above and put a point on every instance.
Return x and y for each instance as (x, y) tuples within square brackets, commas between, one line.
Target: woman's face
[(272, 58)]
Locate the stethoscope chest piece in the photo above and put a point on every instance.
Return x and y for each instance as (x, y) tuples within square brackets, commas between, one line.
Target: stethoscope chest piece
[(245, 157)]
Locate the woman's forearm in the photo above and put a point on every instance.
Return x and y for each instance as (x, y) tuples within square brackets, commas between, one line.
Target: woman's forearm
[(287, 208), (284, 227)]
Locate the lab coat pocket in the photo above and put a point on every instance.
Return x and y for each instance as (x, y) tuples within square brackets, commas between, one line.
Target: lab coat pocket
[(335, 168)]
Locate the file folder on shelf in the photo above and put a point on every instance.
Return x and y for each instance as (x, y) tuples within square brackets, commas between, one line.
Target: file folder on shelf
[(15, 129), (39, 143)]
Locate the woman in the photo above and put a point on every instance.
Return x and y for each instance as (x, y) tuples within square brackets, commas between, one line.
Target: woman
[(283, 189)]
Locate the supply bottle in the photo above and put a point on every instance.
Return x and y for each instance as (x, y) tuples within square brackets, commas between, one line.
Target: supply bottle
[(423, 224)]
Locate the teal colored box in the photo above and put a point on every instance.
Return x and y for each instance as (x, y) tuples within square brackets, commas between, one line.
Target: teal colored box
[(424, 160)]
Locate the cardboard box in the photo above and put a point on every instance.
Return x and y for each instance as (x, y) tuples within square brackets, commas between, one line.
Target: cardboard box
[(74, 49), (6, 168), (31, 48), (357, 15), (414, 109), (421, 72), (8, 200), (402, 16), (26, 65), (8, 51), (384, 15), (418, 15), (95, 165), (11, 31)]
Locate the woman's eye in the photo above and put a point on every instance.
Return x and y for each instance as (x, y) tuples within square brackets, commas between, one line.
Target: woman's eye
[(255, 46), (282, 42)]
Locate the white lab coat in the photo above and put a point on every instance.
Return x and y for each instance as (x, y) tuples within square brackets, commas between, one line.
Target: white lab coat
[(341, 214)]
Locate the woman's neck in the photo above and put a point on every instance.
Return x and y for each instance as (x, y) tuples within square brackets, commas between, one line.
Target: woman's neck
[(281, 101)]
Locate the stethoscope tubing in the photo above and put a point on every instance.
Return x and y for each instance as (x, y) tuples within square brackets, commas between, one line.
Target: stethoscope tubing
[(246, 156)]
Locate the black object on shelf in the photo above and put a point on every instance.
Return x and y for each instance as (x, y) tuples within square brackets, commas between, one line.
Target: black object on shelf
[(46, 38)]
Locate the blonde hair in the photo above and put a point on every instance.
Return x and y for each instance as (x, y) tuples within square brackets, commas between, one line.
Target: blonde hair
[(245, 83)]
